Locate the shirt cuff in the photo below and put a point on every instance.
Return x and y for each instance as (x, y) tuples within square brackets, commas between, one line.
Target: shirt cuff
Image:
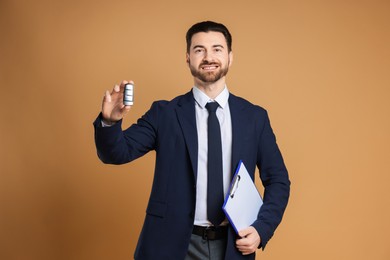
[(106, 125)]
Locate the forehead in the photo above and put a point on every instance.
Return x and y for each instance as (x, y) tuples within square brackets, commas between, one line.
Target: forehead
[(208, 39)]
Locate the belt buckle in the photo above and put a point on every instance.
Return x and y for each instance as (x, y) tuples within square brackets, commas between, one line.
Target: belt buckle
[(205, 231)]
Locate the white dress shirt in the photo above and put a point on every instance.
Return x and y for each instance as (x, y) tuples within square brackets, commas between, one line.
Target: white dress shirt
[(223, 115)]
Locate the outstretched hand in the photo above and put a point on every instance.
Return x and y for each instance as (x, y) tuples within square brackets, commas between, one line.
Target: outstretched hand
[(249, 240), (113, 108)]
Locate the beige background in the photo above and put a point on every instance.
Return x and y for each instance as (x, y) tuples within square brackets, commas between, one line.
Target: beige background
[(321, 69)]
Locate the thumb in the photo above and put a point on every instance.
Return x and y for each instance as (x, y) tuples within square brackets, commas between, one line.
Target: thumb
[(244, 232)]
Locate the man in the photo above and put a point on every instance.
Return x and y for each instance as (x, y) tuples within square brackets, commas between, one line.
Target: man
[(189, 140)]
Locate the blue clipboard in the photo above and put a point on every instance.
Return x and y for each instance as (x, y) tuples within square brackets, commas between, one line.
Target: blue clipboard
[(243, 201)]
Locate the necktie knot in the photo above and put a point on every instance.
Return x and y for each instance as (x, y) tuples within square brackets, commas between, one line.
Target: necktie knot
[(212, 107)]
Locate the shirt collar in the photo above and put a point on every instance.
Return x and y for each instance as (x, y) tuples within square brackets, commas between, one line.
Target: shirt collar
[(202, 99)]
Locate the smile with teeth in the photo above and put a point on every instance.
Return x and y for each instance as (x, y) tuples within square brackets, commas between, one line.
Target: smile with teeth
[(209, 67)]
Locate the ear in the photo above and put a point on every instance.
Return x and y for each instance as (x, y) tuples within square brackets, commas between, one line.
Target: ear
[(230, 58), (187, 58)]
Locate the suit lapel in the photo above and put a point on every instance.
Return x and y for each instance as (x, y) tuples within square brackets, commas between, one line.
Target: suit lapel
[(186, 115), (238, 121)]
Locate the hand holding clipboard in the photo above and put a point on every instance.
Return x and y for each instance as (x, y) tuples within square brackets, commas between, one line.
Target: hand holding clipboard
[(243, 201)]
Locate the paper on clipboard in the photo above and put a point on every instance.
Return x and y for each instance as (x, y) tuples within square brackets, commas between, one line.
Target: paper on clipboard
[(243, 201)]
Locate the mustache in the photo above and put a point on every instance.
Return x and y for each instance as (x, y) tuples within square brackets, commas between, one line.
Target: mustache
[(209, 63)]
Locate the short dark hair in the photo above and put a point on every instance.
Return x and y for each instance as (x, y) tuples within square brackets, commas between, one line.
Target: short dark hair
[(209, 26)]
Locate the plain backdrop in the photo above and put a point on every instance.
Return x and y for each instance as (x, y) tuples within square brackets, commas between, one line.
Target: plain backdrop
[(320, 68)]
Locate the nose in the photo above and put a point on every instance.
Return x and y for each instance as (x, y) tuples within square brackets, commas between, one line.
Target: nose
[(208, 57)]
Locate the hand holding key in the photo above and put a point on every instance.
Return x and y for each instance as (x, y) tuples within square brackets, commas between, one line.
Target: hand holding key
[(113, 107)]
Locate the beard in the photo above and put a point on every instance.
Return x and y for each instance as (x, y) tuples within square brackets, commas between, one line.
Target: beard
[(209, 76)]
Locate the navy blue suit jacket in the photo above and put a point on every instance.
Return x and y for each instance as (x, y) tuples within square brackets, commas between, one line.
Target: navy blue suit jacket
[(169, 128)]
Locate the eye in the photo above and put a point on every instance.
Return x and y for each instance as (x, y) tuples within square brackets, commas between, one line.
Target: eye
[(198, 50)]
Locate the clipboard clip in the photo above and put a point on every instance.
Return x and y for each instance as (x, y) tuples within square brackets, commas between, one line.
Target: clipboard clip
[(236, 181)]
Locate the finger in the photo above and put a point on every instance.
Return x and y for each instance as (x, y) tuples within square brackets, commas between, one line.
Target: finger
[(124, 82), (122, 85), (245, 232), (242, 234), (246, 249), (240, 242), (116, 88), (246, 242), (107, 97)]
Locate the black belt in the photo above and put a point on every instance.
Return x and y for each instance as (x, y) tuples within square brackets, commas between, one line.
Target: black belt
[(210, 233)]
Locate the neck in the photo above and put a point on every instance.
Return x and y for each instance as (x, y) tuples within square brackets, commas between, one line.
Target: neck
[(211, 89)]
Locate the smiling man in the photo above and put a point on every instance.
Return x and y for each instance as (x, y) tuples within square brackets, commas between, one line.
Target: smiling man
[(199, 138), (209, 57)]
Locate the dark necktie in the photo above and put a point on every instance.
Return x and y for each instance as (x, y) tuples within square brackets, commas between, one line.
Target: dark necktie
[(214, 168)]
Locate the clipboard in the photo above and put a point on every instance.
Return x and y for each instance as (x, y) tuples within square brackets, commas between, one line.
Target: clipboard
[(243, 201)]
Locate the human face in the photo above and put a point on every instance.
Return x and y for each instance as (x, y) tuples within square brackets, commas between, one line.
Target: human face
[(208, 58)]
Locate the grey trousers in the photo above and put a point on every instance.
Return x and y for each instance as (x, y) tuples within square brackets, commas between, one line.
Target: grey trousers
[(201, 249)]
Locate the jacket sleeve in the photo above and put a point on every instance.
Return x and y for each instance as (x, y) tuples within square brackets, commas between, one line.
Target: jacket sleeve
[(115, 146), (274, 177)]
